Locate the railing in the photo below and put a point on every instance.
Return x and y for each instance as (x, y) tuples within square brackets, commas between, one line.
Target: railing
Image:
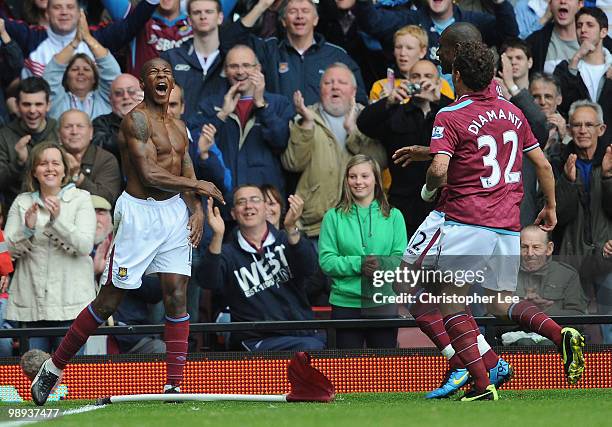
[(329, 326)]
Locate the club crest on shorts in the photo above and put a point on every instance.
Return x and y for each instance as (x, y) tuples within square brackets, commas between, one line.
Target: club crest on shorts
[(122, 273)]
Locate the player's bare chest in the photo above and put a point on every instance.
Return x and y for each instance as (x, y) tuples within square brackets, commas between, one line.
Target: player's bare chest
[(167, 138)]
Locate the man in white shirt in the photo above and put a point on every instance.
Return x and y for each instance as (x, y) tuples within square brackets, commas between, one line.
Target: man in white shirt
[(557, 40), (585, 76)]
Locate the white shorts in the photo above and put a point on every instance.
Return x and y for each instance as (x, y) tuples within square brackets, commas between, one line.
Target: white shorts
[(422, 249), (149, 237), (480, 255)]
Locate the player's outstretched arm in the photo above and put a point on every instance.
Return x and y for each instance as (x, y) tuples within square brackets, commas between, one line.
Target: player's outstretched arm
[(436, 177), (547, 218), (137, 132), (412, 153)]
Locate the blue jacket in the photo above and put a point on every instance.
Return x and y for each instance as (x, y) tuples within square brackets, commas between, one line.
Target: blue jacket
[(382, 23), (287, 71), (263, 286), (189, 74), (265, 137), (114, 36), (188, 71)]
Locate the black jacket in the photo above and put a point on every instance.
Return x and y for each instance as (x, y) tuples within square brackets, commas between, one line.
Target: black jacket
[(398, 126), (539, 40), (373, 63), (573, 89), (106, 128), (188, 72), (531, 204)]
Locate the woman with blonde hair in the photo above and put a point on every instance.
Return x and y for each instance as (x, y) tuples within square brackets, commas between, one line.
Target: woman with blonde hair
[(360, 236), (409, 45), (50, 233)]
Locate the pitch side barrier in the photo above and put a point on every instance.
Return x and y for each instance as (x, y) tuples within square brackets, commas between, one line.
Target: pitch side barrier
[(330, 326), (266, 373)]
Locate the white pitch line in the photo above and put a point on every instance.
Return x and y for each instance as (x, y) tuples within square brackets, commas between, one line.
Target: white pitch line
[(82, 409)]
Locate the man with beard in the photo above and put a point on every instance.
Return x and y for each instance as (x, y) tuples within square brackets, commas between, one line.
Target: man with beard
[(154, 233)]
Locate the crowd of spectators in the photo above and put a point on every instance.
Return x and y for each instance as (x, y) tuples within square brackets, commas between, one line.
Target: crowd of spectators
[(302, 154)]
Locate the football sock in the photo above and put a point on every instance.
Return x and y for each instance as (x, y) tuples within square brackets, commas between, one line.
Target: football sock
[(82, 327), (429, 319), (175, 336), (531, 318), (489, 357), (463, 340)]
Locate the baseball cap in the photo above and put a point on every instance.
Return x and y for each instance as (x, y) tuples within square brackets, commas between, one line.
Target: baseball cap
[(100, 202)]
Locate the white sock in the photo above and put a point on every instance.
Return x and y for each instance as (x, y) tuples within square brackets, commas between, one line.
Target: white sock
[(448, 351), (483, 345), (51, 367)]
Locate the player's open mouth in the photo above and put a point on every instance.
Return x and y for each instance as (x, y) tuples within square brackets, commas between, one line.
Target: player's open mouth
[(563, 13), (161, 88)]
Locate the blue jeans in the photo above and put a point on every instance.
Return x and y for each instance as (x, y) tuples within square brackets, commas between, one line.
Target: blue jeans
[(6, 344), (48, 344)]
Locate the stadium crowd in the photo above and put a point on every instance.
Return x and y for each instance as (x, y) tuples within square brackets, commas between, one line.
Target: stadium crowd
[(308, 102)]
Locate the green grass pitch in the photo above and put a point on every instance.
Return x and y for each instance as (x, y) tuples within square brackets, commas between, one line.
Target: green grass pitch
[(579, 408)]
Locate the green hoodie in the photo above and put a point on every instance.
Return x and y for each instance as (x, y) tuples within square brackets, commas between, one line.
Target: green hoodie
[(346, 238)]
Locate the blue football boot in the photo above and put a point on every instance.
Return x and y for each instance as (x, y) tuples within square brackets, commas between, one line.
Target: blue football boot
[(501, 373), (454, 380)]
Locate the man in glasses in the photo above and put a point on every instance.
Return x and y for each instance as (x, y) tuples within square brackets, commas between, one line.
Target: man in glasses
[(584, 203), (125, 94), (252, 124), (260, 271)]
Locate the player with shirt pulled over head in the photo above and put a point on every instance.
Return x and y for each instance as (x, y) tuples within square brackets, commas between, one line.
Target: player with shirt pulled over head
[(153, 230), (477, 143)]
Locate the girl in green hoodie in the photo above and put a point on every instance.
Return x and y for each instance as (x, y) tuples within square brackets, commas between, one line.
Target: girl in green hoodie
[(360, 236)]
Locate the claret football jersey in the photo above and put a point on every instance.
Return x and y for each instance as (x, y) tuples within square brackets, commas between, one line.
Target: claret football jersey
[(485, 136)]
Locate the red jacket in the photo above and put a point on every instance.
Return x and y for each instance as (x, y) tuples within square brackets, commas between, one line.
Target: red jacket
[(6, 266)]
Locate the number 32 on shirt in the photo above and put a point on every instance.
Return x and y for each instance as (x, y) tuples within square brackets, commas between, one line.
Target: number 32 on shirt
[(490, 160)]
